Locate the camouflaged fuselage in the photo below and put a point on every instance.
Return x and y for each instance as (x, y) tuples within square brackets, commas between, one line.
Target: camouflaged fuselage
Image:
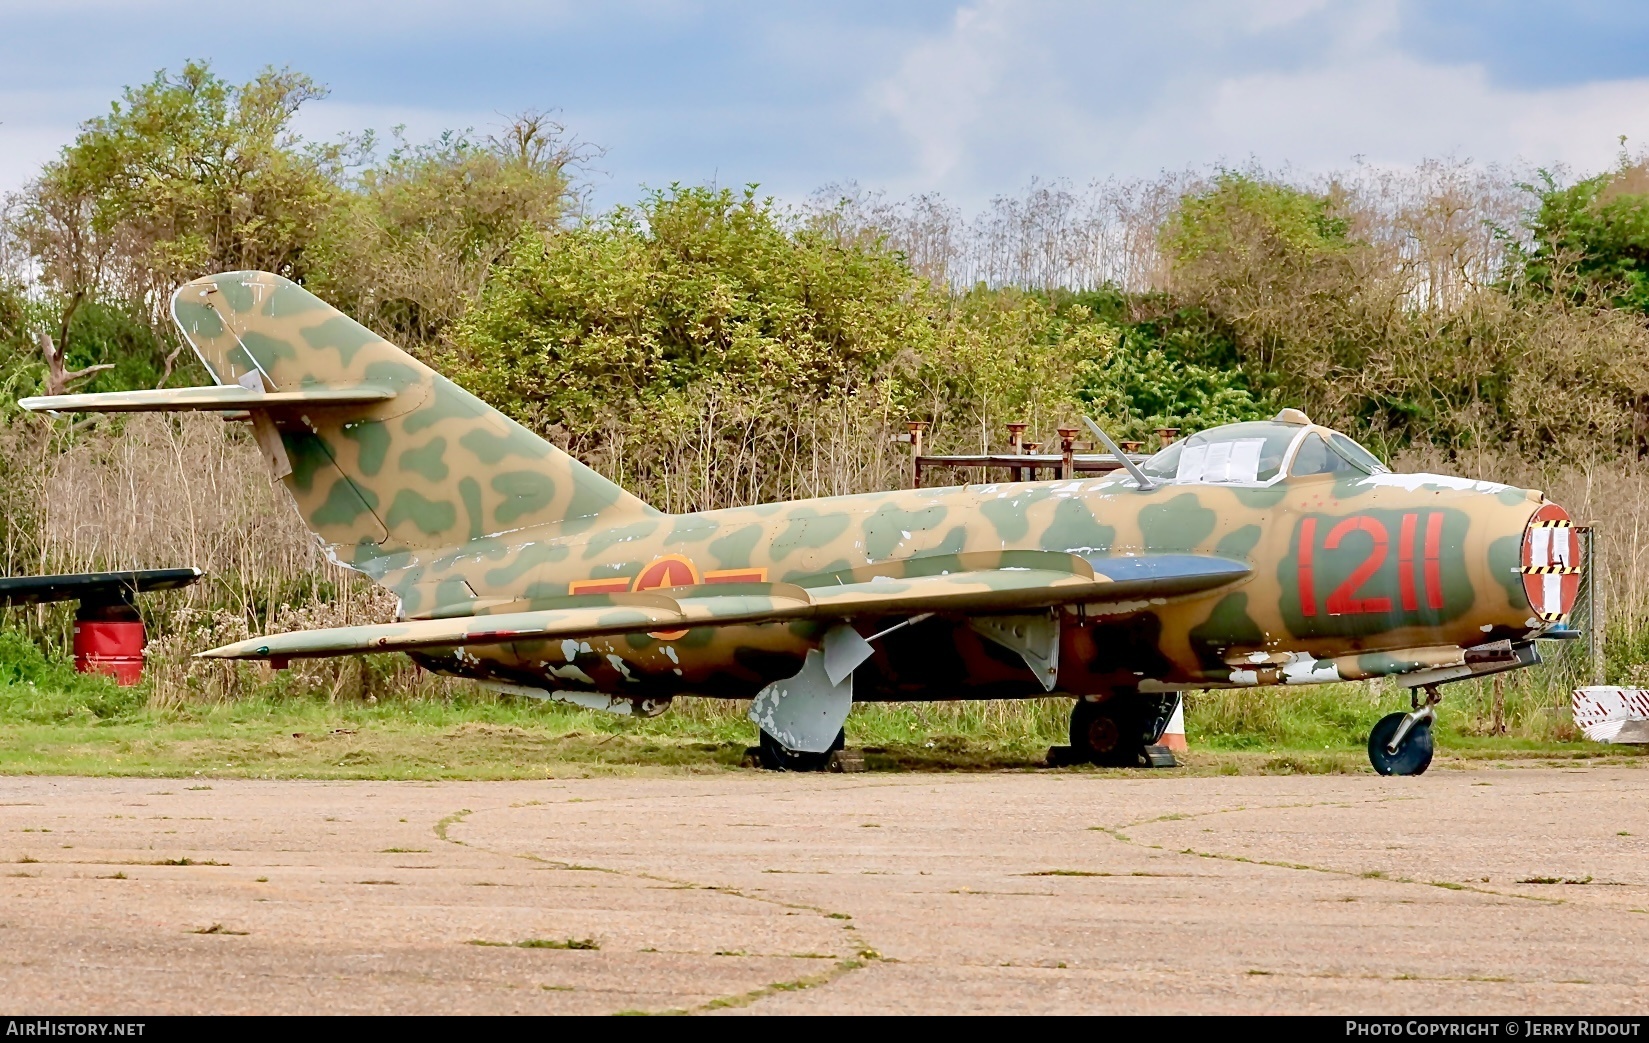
[(461, 511), (1254, 631)]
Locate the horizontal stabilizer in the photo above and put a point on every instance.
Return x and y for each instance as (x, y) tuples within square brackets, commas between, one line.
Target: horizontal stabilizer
[(223, 397), (94, 587), (1012, 589)]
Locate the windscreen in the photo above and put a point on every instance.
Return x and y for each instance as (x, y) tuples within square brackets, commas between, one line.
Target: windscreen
[(1357, 454)]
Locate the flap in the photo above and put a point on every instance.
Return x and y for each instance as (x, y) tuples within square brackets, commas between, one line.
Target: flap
[(222, 397), (964, 593)]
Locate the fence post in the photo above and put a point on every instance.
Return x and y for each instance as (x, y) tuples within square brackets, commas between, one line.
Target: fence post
[(1016, 444), (1067, 451), (916, 429), (1594, 604)]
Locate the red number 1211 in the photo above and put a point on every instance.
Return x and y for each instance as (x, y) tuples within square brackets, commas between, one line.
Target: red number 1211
[(1343, 600)]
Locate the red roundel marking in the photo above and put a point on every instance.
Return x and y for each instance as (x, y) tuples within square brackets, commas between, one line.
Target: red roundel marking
[(670, 571), (1551, 562)]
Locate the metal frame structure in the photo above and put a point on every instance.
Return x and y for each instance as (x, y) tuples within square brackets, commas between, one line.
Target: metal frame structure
[(1022, 461)]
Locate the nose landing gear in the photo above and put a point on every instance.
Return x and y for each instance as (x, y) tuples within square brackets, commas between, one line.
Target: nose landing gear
[(1401, 743)]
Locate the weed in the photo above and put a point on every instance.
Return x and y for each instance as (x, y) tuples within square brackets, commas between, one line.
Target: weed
[(216, 928), (1064, 872), (582, 944)]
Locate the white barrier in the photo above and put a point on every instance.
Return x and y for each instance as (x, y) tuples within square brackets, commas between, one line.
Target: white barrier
[(1610, 713)]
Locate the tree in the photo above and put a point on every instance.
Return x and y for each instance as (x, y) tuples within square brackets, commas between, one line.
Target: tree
[(190, 174), (696, 288), (410, 245), (1592, 238)]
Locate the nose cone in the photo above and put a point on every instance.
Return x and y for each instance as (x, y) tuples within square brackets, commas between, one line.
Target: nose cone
[(1551, 564)]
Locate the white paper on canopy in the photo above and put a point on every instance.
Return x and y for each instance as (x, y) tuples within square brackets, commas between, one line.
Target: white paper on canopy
[(1245, 460), (1218, 464), (1237, 461), (1191, 463)]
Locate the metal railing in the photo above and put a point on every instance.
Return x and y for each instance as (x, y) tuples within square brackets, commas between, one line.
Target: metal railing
[(1022, 461)]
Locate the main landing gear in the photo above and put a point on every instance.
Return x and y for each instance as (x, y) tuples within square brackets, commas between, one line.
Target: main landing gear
[(1401, 743), (775, 756), (1120, 732)]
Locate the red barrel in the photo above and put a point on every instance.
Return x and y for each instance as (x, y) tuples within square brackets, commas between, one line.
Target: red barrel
[(114, 648)]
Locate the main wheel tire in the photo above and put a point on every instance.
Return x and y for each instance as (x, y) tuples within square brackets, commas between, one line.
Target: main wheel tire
[(775, 756), (1107, 733), (1413, 757)]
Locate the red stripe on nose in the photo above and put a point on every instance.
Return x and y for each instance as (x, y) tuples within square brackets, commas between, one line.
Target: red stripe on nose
[(1434, 560), (1405, 564), (1308, 585)]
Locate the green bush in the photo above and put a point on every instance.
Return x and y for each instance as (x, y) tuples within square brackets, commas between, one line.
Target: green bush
[(39, 688)]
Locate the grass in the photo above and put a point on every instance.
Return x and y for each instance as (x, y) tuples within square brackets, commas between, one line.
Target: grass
[(54, 721)]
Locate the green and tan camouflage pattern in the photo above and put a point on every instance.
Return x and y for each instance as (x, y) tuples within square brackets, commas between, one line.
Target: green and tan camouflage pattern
[(481, 527)]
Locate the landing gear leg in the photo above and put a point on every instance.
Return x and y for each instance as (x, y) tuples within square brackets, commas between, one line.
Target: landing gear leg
[(1401, 743)]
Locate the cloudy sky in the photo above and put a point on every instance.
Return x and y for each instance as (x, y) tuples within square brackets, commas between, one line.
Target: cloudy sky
[(969, 99)]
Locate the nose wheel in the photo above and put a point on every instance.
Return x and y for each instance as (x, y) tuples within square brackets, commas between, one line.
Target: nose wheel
[(1401, 743)]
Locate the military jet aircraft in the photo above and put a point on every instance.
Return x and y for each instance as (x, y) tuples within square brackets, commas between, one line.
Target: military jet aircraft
[(1274, 552)]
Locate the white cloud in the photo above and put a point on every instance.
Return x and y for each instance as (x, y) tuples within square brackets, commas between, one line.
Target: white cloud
[(1013, 90)]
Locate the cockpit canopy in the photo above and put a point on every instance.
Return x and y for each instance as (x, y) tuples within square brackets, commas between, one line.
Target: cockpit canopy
[(1259, 452)]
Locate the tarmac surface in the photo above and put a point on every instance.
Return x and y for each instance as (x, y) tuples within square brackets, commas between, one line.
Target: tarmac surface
[(1494, 891)]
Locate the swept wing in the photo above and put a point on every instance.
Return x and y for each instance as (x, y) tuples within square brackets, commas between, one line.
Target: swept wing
[(966, 592)]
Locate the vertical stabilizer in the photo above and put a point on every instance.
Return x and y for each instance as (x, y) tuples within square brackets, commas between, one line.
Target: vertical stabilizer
[(431, 467)]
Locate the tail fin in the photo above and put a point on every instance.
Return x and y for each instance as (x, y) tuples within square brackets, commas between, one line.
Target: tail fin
[(431, 467)]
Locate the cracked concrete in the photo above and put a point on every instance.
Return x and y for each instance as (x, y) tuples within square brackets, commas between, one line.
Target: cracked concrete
[(756, 893)]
